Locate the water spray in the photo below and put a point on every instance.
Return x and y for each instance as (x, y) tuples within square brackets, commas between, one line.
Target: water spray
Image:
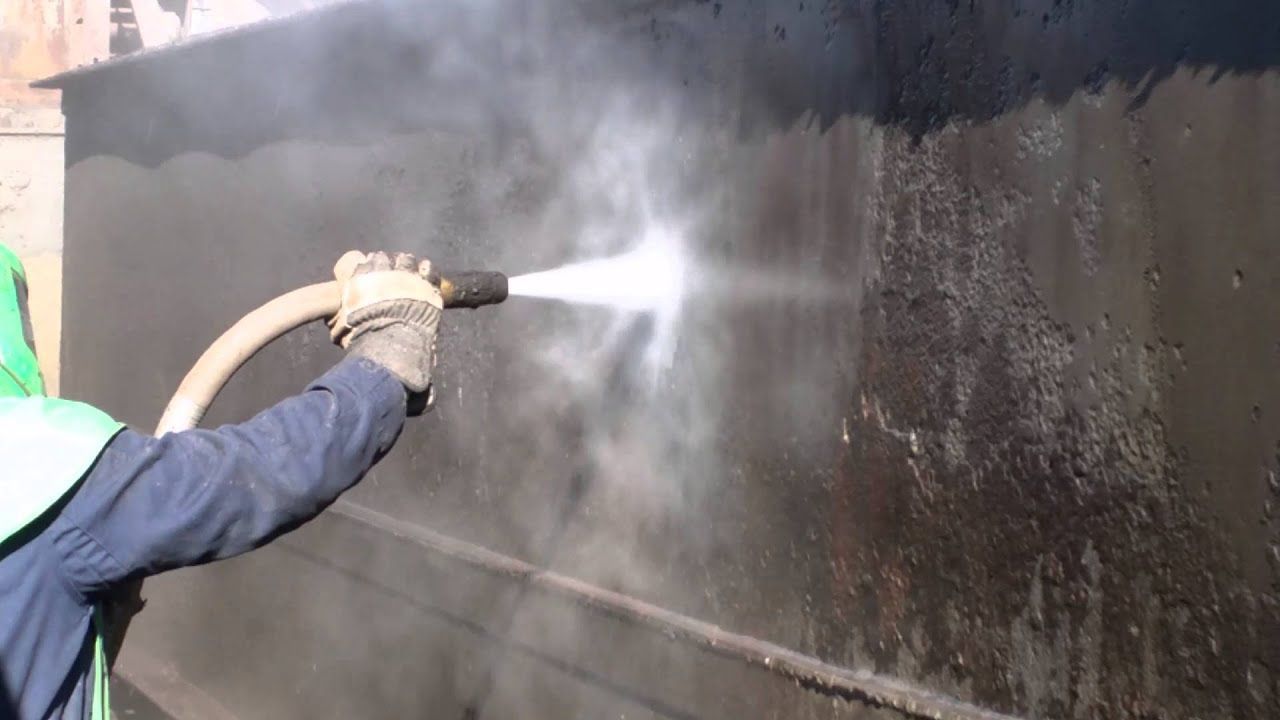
[(649, 278)]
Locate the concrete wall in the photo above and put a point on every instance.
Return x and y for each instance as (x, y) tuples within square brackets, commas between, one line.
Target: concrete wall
[(39, 38), (1019, 445)]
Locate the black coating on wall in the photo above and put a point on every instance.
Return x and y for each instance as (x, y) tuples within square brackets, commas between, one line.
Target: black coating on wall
[(1024, 453)]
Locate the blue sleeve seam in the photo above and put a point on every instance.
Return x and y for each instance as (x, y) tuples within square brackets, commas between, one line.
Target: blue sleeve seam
[(63, 576), (80, 592)]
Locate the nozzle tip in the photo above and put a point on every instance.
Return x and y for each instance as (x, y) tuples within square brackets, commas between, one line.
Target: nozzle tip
[(473, 289)]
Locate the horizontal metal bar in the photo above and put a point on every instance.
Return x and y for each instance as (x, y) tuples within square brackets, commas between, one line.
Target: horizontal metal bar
[(161, 687), (809, 672), (587, 676)]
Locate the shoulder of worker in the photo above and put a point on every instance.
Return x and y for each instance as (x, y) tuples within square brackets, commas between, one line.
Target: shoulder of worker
[(47, 445)]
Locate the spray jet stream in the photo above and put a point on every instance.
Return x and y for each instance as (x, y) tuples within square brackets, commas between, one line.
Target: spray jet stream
[(649, 278)]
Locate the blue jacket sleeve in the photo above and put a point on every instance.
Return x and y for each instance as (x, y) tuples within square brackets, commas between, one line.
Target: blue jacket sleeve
[(154, 504)]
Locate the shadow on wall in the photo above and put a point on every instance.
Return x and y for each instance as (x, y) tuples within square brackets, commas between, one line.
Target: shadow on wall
[(358, 70)]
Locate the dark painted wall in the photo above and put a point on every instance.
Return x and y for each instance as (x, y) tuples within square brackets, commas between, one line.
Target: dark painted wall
[(1017, 441)]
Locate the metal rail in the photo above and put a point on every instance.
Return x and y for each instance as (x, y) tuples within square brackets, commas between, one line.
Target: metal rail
[(805, 670)]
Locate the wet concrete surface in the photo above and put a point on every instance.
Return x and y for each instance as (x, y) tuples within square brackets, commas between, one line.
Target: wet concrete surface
[(1020, 447)]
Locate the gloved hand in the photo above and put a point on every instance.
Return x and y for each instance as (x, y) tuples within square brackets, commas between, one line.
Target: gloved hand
[(390, 314)]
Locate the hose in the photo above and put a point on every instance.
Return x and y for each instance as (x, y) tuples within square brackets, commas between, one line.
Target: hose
[(314, 302), (235, 346), (470, 289)]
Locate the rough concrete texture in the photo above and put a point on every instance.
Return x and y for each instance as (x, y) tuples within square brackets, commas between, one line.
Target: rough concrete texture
[(1020, 444), (31, 193)]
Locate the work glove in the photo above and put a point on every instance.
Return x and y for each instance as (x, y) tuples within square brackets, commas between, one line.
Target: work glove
[(390, 314)]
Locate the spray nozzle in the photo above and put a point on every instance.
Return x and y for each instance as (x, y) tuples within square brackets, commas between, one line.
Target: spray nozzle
[(471, 289)]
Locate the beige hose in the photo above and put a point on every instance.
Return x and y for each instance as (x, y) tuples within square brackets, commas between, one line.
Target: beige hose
[(225, 356), (471, 289)]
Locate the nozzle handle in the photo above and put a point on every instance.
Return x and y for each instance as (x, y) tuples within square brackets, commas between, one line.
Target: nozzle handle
[(472, 289)]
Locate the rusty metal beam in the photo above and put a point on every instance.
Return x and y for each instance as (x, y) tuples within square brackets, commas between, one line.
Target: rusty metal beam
[(806, 671)]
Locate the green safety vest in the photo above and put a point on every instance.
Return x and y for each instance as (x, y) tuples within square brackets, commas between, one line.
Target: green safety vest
[(46, 444)]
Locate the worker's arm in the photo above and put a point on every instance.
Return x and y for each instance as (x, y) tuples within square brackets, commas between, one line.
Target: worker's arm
[(150, 505), (154, 504)]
